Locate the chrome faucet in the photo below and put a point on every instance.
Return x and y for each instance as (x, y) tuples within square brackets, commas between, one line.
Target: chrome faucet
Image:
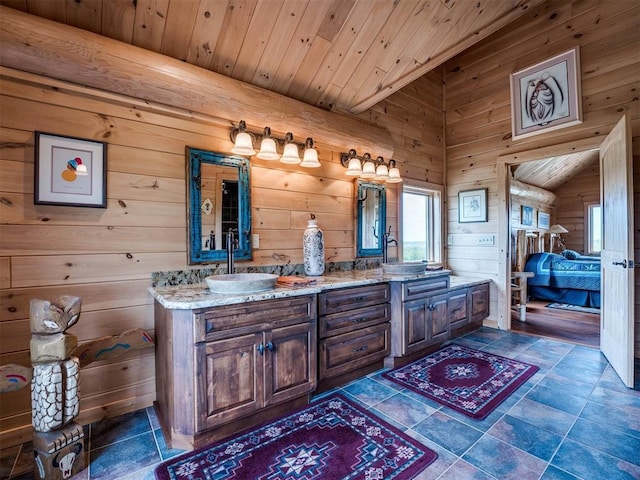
[(385, 245), (231, 243)]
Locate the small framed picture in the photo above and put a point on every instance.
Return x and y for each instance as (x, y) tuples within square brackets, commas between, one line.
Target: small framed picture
[(543, 220), (70, 171), (546, 96), (472, 206), (527, 216)]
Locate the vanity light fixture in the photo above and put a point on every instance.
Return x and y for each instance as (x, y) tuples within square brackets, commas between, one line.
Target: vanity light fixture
[(310, 158), (290, 153), (243, 144), (382, 171), (394, 173), (267, 146), (367, 168)]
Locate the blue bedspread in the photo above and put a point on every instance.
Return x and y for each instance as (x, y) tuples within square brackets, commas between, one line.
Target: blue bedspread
[(553, 270)]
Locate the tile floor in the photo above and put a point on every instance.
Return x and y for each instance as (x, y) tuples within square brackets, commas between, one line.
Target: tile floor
[(574, 419)]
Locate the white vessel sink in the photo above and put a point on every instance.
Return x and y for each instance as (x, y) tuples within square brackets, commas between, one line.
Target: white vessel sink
[(404, 268), (238, 283)]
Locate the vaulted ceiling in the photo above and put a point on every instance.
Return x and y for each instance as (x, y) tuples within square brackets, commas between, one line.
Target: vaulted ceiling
[(552, 172), (342, 55)]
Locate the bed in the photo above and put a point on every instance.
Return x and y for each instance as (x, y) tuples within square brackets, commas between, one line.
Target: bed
[(569, 278)]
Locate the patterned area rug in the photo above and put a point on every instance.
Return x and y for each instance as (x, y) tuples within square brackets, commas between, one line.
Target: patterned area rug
[(331, 438), (574, 308), (467, 380)]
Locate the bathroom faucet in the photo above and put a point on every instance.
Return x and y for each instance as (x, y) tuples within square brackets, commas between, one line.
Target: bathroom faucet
[(231, 243), (385, 245)]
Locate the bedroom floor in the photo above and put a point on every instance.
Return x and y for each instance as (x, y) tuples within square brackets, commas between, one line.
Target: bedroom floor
[(576, 327), (573, 420)]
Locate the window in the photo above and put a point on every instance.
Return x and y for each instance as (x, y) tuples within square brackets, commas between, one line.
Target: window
[(594, 228), (421, 209)]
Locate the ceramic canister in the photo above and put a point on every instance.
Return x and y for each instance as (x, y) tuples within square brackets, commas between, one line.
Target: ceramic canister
[(313, 249)]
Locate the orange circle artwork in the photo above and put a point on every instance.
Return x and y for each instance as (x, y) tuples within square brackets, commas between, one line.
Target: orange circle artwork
[(69, 175)]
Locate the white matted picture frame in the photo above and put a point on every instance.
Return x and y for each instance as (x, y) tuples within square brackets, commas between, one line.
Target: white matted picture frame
[(546, 96), (70, 171), (472, 206), (544, 220)]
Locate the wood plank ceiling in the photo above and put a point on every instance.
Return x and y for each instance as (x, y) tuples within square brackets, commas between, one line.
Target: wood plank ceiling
[(343, 55), (552, 172)]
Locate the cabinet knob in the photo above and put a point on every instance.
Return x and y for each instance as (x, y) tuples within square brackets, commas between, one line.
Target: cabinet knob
[(363, 348), (270, 346), (260, 349)]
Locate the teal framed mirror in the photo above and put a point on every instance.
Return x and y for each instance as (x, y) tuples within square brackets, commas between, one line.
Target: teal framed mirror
[(371, 218), (218, 200)]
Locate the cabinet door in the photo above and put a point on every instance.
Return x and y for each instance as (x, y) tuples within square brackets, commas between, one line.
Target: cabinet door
[(458, 311), (229, 380), (416, 325), (479, 303), (439, 319), (290, 362)]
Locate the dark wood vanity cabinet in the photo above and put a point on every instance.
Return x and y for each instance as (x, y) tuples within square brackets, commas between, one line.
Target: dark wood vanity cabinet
[(421, 313), (426, 312), (221, 369), (354, 332), (468, 307)]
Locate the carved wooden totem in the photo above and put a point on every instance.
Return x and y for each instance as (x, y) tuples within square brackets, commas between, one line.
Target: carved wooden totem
[(58, 442)]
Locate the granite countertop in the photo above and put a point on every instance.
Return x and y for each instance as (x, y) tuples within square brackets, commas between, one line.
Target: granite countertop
[(188, 297), (457, 281)]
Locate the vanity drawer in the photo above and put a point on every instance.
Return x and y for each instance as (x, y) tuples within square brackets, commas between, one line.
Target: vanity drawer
[(219, 322), (343, 299), (347, 352), (343, 322), (421, 288)]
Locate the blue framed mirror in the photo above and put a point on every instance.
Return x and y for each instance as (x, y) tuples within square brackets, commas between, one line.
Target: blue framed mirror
[(371, 219), (218, 200)]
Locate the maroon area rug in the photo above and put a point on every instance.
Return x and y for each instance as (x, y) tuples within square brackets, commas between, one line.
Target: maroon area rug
[(331, 438), (467, 380)]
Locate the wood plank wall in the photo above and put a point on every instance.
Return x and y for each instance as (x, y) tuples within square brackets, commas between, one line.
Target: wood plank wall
[(477, 104), (572, 199), (106, 256), (517, 202)]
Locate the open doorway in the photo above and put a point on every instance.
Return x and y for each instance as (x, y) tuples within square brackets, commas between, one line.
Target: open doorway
[(555, 256), (617, 262), (504, 169)]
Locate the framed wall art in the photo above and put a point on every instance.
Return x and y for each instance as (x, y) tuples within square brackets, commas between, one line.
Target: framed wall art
[(544, 220), (526, 218), (70, 171), (472, 206), (546, 96)]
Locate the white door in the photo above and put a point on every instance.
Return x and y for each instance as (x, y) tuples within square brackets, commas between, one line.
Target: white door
[(616, 192)]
